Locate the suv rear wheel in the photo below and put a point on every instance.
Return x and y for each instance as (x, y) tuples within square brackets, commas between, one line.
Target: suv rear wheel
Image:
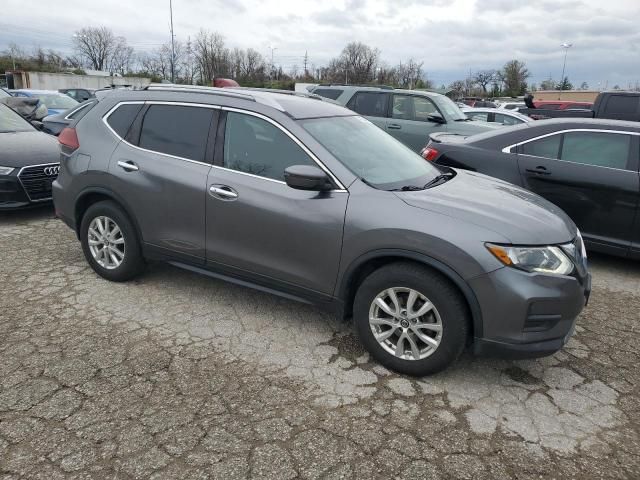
[(411, 319), (110, 243)]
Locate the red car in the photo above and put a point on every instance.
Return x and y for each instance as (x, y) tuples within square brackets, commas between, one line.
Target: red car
[(561, 104)]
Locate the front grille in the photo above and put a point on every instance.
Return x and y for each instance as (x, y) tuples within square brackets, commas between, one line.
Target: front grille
[(37, 180)]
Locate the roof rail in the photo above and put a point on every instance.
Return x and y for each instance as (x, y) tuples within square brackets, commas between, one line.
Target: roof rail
[(172, 87), (283, 92)]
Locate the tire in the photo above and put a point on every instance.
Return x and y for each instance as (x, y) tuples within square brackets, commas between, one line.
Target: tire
[(126, 242), (450, 315)]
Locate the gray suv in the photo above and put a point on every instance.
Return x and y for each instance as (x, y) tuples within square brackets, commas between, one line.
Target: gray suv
[(408, 115), (305, 199)]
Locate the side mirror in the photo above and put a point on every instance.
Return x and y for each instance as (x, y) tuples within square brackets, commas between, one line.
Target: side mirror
[(307, 177), (436, 118), (37, 124)]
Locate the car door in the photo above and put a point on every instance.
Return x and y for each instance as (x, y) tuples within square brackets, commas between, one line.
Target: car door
[(592, 176), (258, 226), (160, 169), (373, 105), (410, 121)]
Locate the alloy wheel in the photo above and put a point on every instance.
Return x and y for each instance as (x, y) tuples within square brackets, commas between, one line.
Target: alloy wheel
[(405, 323), (106, 242)]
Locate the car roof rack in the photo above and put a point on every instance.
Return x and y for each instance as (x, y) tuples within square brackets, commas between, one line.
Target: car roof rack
[(172, 87)]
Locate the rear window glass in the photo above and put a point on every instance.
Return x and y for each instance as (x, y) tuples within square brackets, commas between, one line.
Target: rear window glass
[(371, 104), (177, 130), (122, 118), (622, 104), (332, 93)]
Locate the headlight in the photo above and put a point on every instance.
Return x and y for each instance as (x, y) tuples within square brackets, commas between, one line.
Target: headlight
[(6, 170), (533, 259)]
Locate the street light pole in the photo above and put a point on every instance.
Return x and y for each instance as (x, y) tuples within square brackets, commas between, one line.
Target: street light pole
[(566, 47), (273, 49)]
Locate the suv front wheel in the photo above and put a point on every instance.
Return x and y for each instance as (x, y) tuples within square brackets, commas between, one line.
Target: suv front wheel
[(110, 243), (411, 319)]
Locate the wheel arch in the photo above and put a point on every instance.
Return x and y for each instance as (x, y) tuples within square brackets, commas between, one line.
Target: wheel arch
[(92, 195), (367, 263)]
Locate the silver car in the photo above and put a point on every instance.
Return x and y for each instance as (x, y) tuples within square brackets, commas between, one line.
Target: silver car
[(497, 116), (306, 199)]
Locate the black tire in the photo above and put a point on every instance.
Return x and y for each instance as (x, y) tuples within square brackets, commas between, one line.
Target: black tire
[(450, 304), (133, 263)]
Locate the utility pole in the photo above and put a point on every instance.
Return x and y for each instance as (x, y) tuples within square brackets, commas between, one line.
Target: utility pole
[(273, 49), (566, 47), (306, 59), (173, 47)]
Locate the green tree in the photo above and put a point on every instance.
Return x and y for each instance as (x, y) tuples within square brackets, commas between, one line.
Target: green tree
[(515, 75), (564, 84), (584, 86)]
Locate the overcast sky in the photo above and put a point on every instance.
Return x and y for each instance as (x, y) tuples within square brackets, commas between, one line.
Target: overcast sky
[(450, 36)]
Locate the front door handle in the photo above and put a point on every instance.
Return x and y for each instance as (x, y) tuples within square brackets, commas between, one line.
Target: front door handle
[(223, 192), (539, 170), (128, 165), (394, 126)]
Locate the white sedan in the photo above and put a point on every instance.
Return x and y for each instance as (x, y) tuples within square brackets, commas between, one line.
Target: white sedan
[(494, 115)]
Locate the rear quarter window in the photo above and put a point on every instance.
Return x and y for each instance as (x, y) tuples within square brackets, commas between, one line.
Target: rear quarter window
[(122, 118)]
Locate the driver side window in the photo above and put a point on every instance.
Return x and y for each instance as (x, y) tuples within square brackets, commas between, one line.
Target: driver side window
[(253, 145)]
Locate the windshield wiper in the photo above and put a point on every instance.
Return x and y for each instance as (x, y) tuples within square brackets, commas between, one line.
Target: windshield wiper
[(463, 120), (406, 188), (440, 179)]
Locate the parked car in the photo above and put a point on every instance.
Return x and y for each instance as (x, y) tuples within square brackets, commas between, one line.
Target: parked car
[(562, 105), (54, 124), (4, 93), (616, 105), (303, 198), (79, 94), (589, 168), (408, 115), (29, 162), (493, 115), (29, 109), (55, 102)]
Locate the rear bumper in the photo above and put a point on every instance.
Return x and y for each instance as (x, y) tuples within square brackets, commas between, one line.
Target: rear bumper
[(527, 315)]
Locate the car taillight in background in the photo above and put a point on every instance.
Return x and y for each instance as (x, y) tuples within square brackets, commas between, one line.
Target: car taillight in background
[(68, 140), (429, 153)]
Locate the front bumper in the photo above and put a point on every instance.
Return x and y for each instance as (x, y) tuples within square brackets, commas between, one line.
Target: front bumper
[(12, 194), (527, 315), (27, 187)]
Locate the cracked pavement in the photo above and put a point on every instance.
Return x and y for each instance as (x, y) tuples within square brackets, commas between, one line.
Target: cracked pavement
[(175, 375)]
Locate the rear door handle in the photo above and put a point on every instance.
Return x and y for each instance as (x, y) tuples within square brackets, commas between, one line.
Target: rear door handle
[(128, 165), (223, 192), (539, 170), (394, 126)]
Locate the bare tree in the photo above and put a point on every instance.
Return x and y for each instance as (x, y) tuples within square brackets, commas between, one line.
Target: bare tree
[(121, 57), (409, 73), (212, 56), (358, 62), (95, 46), (484, 78), (515, 74)]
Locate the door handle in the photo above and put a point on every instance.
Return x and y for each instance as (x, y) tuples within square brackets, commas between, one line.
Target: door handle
[(394, 126), (223, 192), (539, 170), (129, 166)]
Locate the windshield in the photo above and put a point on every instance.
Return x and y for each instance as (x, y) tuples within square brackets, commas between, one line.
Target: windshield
[(450, 108), (56, 101), (10, 121), (377, 158)]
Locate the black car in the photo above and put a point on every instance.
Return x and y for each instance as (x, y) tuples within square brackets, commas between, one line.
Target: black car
[(587, 167), (29, 162), (54, 124)]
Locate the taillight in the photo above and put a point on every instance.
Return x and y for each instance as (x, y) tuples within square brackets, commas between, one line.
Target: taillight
[(68, 140), (429, 153)]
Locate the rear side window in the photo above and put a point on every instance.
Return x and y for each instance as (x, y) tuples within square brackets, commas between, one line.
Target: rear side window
[(547, 147), (622, 104), (332, 93), (81, 111), (370, 104), (253, 145), (596, 148), (480, 116), (177, 130), (122, 118)]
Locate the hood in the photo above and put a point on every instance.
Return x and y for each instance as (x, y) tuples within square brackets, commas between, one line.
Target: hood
[(522, 217), (28, 148)]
